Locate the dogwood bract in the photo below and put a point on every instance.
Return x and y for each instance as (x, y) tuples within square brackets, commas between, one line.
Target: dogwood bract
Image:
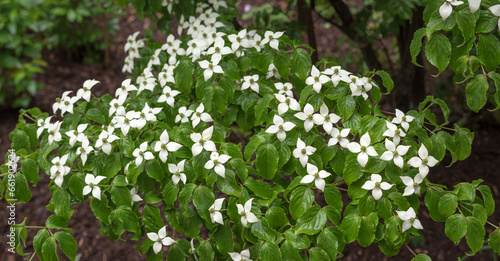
[(423, 161), (316, 79), (280, 127), (164, 146), (409, 218), (160, 239), (216, 162), (142, 153), (394, 153), (245, 212), (302, 152), (307, 117), (412, 185), (242, 256), (177, 172), (339, 137), (215, 215), (92, 182), (363, 148), (376, 185), (202, 141), (314, 175), (325, 118)]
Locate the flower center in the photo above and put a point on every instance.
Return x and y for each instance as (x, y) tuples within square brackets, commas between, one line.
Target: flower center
[(164, 146), (336, 71), (303, 151), (310, 117), (404, 118), (316, 175), (415, 184), (252, 80), (280, 128), (85, 89), (397, 132), (424, 161), (177, 173), (104, 140), (363, 148), (395, 153), (216, 162), (75, 132), (327, 117), (412, 220), (242, 213), (377, 184), (141, 153), (91, 184), (217, 49), (211, 211), (66, 102), (287, 101), (316, 78)]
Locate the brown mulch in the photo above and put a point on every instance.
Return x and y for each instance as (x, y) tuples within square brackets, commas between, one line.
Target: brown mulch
[(63, 75)]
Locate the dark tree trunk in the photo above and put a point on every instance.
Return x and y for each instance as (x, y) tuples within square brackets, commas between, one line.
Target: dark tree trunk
[(306, 21)]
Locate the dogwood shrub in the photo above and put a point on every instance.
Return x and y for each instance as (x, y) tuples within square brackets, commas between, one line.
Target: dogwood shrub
[(232, 145)]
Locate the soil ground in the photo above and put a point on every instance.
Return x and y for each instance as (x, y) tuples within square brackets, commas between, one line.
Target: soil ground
[(63, 75)]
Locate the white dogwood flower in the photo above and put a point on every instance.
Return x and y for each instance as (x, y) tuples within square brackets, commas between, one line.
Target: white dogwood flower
[(168, 96), (84, 92), (217, 162), (403, 119), (423, 161), (200, 115), (202, 141), (412, 185), (177, 172), (394, 132), (215, 215), (218, 50), (53, 130), (116, 106), (409, 219), (164, 146), (376, 185), (445, 9), (161, 239), (339, 137), (325, 118), (394, 153), (280, 127), (183, 115), (306, 116), (126, 86), (338, 74), (272, 38), (314, 175), (250, 81), (245, 212), (363, 148), (272, 71), (77, 135), (104, 141), (302, 152), (210, 68), (316, 79), (242, 256), (42, 125), (286, 103), (284, 88), (142, 153), (84, 151), (91, 186)]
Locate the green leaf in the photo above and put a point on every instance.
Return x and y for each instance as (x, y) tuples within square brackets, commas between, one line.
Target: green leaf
[(67, 244), (49, 249), (312, 221), (466, 21), (61, 203), (488, 51), (121, 196), (170, 194), (386, 80), (367, 229), (329, 243), (269, 252), (438, 51), (262, 231), (494, 241), (183, 75), (203, 198), (300, 200), (255, 142), (154, 170), (301, 63), (333, 197), (463, 142), (40, 237), (30, 170), (465, 191), (455, 227), (101, 209), (205, 251), (351, 225), (22, 191), (267, 161), (346, 106), (276, 217), (416, 44), (421, 257), (289, 252), (475, 233), (476, 92), (259, 187), (489, 202), (352, 170), (487, 22), (20, 140), (317, 254), (448, 205), (282, 63), (224, 238), (96, 115), (432, 198)]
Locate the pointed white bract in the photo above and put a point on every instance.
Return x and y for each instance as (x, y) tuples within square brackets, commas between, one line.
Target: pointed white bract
[(142, 153), (161, 239), (423, 161), (412, 185), (84, 92), (164, 146), (446, 8), (77, 135), (286, 103), (91, 186), (202, 141), (183, 115), (217, 162), (307, 117), (245, 212), (302, 152), (200, 115), (84, 151), (242, 256), (394, 153), (168, 96), (339, 137), (210, 68), (59, 170), (272, 71), (250, 82), (214, 211), (314, 175), (280, 127), (363, 148), (394, 132), (409, 219), (402, 119), (474, 5), (284, 88), (376, 185), (317, 79), (177, 172), (325, 118)]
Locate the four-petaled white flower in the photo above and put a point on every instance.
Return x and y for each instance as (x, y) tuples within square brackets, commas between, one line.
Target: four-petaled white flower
[(394, 153), (250, 81), (92, 182), (202, 141), (116, 106), (314, 175), (217, 162), (423, 161), (42, 125), (394, 132), (77, 135), (84, 92), (142, 117), (307, 117), (284, 88), (363, 148), (272, 37), (122, 92), (409, 218), (403, 119), (160, 239), (338, 74), (53, 130), (280, 127), (339, 137), (218, 50), (142, 153), (104, 141), (58, 170), (272, 71), (286, 103), (302, 152), (412, 185), (183, 115), (133, 194), (210, 68), (359, 87), (376, 185), (168, 96), (325, 118), (164, 146), (243, 256), (200, 115), (245, 212), (445, 9), (316, 79), (177, 172), (84, 150), (215, 215)]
